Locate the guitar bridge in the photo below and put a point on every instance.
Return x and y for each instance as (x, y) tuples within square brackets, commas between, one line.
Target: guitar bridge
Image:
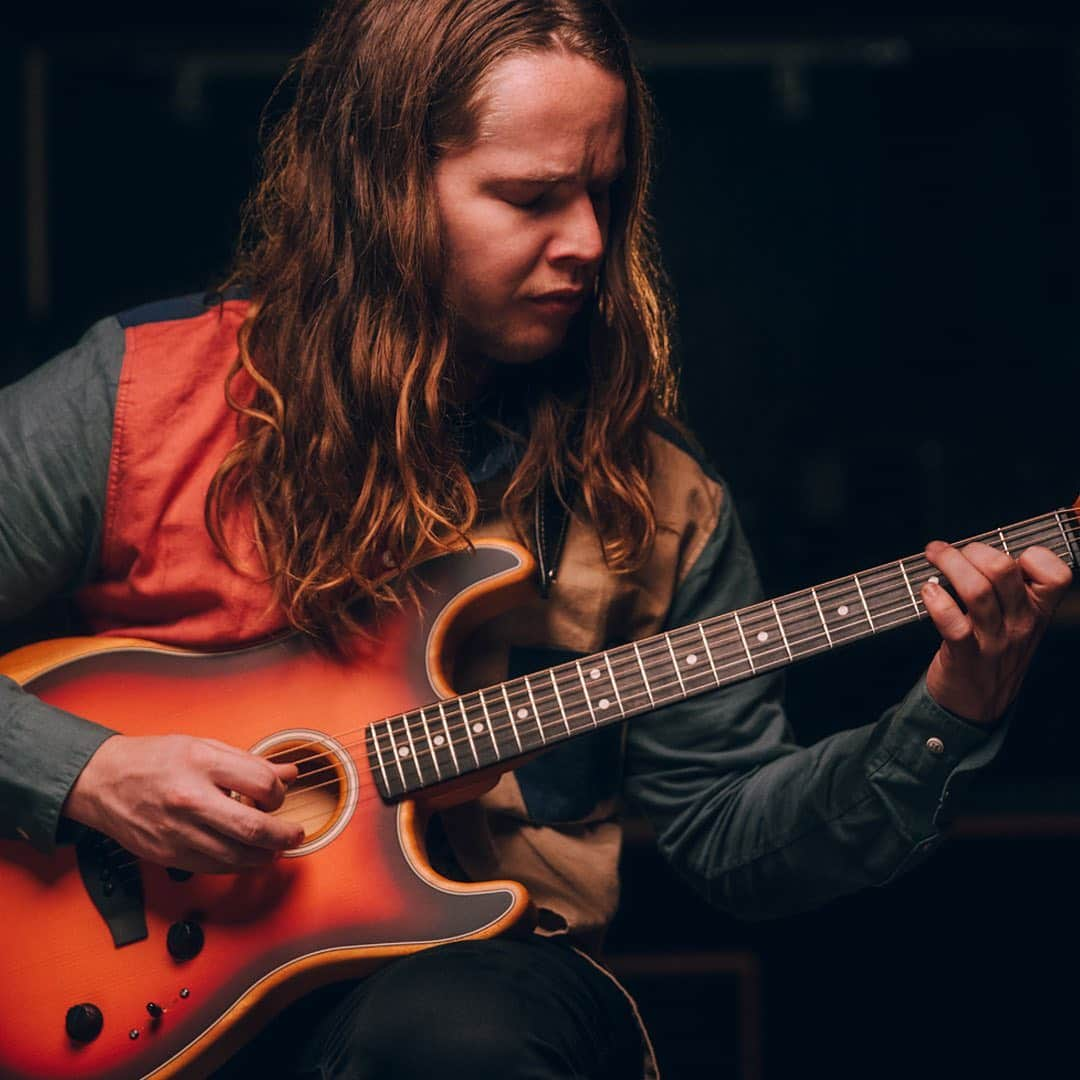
[(113, 881)]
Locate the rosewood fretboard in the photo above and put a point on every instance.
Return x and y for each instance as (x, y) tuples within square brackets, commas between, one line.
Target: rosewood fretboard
[(450, 738)]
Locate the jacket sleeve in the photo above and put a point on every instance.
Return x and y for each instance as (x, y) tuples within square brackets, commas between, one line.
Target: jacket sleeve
[(764, 827), (55, 439)]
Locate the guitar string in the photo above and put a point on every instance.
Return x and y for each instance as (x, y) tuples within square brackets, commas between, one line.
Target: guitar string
[(725, 642), (299, 794), (658, 689), (652, 690), (662, 693), (657, 646)]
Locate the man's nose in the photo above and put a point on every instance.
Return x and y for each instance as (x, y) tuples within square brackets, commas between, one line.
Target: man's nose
[(580, 236)]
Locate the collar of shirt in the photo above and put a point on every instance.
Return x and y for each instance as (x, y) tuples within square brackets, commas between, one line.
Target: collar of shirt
[(487, 450)]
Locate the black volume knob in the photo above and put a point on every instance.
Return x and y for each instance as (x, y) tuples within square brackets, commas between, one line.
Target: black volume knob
[(83, 1023), (184, 940)]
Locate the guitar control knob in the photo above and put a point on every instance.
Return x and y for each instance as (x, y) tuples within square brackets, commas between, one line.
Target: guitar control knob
[(184, 940), (83, 1023)]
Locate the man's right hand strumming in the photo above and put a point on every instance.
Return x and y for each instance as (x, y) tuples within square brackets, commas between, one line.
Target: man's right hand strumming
[(167, 798)]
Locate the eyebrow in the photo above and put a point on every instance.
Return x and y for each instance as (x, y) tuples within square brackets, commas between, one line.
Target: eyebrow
[(552, 178)]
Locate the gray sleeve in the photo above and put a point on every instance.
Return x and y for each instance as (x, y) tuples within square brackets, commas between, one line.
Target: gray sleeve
[(55, 441), (765, 827)]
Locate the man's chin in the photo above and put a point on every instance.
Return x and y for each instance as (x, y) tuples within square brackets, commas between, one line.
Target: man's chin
[(520, 353)]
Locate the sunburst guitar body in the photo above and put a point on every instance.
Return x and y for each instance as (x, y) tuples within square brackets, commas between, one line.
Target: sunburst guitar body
[(169, 973)]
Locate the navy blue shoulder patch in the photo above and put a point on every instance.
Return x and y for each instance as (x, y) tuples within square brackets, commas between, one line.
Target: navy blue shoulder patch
[(178, 307), (684, 440)]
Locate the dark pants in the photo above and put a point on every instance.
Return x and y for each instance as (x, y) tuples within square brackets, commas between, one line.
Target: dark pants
[(530, 1008)]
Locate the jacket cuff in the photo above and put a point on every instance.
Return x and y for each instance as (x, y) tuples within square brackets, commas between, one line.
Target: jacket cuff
[(938, 748), (43, 750)]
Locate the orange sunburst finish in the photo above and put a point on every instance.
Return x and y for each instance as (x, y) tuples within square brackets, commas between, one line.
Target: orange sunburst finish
[(366, 895)]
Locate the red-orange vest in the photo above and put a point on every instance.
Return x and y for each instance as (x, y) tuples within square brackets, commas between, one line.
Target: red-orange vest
[(160, 575)]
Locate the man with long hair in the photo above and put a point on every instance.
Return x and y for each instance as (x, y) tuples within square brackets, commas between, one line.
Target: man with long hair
[(448, 316)]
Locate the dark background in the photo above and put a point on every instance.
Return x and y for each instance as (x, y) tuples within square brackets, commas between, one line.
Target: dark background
[(869, 224)]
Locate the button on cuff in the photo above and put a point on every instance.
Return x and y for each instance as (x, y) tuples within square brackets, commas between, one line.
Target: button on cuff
[(935, 745)]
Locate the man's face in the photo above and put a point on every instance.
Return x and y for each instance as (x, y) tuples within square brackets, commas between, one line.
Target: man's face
[(524, 207)]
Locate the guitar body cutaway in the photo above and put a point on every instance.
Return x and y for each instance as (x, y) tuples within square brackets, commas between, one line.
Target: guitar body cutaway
[(358, 891)]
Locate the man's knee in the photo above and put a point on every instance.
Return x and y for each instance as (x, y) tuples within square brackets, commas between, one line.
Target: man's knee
[(499, 1008), (424, 1019)]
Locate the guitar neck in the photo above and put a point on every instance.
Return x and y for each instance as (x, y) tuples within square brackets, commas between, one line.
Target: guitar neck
[(457, 736)]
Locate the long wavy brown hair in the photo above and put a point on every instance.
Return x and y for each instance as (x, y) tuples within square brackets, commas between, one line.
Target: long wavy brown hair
[(350, 455)]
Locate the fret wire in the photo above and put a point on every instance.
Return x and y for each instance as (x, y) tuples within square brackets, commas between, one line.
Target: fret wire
[(491, 732), (491, 726), (719, 627), (449, 738), (1004, 546), (675, 661), (644, 677), (806, 622), (907, 582), (397, 756), (708, 653), (430, 745), (514, 718), (558, 698), (585, 691), (821, 616), (780, 626), (866, 606), (614, 686), (468, 728), (681, 645), (1068, 545), (738, 626), (412, 747), (378, 753), (478, 727), (536, 711)]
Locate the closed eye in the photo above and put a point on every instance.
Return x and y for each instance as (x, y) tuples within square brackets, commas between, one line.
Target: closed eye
[(526, 204)]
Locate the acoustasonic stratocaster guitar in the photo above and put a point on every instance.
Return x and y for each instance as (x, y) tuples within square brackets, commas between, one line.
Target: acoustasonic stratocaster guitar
[(114, 968)]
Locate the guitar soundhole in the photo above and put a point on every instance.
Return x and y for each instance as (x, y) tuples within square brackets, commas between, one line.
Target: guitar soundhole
[(324, 795), (316, 798)]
